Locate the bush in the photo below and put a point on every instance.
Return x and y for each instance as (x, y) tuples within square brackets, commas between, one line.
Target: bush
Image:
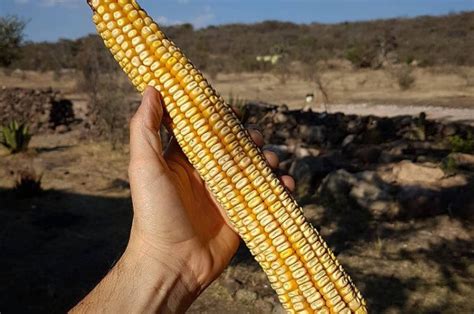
[(28, 183), (15, 137), (449, 165), (405, 78), (360, 56), (462, 145)]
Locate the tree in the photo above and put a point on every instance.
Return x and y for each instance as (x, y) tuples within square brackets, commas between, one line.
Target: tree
[(11, 37)]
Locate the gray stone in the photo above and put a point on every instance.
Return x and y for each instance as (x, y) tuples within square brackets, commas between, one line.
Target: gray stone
[(245, 296), (348, 140), (282, 151), (280, 117), (449, 130), (301, 152), (231, 285), (367, 154), (313, 134), (308, 167), (417, 202), (355, 126), (278, 309), (364, 189), (263, 306)]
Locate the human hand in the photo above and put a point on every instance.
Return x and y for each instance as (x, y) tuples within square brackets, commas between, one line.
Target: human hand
[(180, 237), (175, 215)]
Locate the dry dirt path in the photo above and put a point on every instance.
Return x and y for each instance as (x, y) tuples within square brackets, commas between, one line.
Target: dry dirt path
[(465, 115)]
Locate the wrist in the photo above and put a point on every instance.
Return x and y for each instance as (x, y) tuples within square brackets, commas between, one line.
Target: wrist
[(165, 283)]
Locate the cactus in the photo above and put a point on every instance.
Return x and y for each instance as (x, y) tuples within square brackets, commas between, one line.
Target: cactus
[(15, 137)]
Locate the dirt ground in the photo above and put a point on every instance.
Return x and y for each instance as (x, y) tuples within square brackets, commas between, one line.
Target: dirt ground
[(56, 246), (441, 92)]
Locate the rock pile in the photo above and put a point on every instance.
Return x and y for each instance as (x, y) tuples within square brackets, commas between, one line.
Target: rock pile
[(400, 167), (43, 110)]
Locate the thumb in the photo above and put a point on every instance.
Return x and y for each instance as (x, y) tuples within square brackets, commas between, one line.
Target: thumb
[(145, 140)]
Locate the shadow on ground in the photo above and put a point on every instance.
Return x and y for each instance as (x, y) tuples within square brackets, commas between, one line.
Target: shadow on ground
[(56, 247)]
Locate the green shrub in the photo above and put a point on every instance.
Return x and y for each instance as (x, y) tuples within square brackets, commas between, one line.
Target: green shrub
[(15, 137), (449, 165), (462, 145), (360, 56)]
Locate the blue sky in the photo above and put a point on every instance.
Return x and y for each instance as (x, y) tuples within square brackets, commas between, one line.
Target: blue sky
[(53, 19)]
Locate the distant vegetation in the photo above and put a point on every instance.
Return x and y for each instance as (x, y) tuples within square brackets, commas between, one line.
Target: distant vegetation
[(11, 37), (424, 41)]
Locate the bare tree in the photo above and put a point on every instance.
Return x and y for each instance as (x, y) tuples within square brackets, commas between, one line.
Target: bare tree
[(313, 74)]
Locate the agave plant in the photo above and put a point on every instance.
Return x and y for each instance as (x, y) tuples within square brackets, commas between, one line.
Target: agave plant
[(15, 137)]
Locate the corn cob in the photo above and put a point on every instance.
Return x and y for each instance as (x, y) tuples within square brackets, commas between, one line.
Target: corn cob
[(300, 267)]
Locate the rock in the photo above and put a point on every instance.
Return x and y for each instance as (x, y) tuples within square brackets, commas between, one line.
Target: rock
[(245, 296), (231, 285), (278, 309), (367, 154), (394, 153), (449, 130), (310, 167), (301, 152), (366, 190), (282, 151), (280, 135), (356, 125), (282, 108), (348, 140), (263, 306), (409, 172), (61, 129), (314, 134), (417, 202), (463, 161), (280, 117)]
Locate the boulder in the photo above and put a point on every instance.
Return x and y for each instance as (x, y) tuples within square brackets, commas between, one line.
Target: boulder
[(463, 161), (407, 172), (417, 202), (280, 117), (301, 152), (282, 151), (313, 134), (364, 190), (367, 154), (245, 296), (309, 168)]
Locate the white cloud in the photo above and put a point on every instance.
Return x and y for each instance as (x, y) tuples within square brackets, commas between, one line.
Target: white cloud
[(204, 18), (163, 20)]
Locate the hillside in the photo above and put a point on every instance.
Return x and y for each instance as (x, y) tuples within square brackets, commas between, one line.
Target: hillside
[(426, 41)]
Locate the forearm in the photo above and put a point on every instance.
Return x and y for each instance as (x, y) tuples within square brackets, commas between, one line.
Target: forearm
[(140, 284)]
